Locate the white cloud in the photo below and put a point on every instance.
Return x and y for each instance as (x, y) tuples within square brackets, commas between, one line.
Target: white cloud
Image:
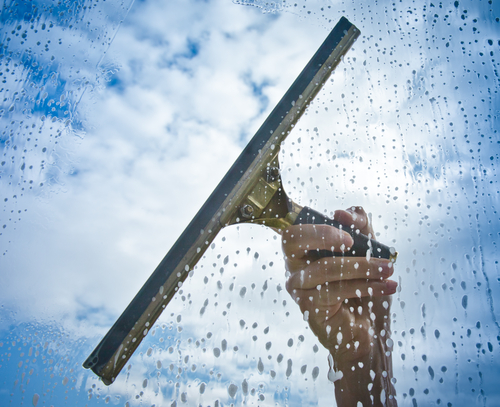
[(98, 242)]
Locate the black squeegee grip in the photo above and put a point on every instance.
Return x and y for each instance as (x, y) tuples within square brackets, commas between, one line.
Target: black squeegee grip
[(361, 244)]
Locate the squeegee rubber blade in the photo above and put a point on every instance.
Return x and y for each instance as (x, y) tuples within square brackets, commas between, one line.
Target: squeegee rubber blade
[(107, 353)]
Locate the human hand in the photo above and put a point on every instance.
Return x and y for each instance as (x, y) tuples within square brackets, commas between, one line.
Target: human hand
[(346, 300)]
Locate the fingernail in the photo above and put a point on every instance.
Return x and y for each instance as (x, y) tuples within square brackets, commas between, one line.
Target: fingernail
[(384, 267), (391, 287), (347, 241)]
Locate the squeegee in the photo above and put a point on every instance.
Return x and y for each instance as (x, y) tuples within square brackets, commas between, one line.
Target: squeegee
[(250, 192)]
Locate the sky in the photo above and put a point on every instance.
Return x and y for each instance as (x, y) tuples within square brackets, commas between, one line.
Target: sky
[(119, 119)]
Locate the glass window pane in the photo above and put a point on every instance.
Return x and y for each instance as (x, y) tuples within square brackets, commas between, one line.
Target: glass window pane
[(120, 118)]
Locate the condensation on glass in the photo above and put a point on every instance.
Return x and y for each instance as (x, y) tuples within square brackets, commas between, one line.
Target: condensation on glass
[(406, 127)]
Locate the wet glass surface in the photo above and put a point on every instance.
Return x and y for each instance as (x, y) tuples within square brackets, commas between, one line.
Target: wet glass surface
[(119, 119)]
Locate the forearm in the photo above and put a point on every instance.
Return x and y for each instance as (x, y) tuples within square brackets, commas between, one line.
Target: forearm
[(366, 380)]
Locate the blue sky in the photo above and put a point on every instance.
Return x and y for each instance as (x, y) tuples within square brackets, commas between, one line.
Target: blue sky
[(114, 133)]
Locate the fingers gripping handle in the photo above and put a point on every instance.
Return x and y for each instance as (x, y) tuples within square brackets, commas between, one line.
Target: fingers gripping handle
[(362, 244)]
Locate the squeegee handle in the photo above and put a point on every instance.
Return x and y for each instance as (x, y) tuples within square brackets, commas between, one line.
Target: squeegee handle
[(363, 245)]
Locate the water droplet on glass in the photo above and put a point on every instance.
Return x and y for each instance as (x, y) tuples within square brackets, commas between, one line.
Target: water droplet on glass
[(232, 389), (464, 301), (260, 366)]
